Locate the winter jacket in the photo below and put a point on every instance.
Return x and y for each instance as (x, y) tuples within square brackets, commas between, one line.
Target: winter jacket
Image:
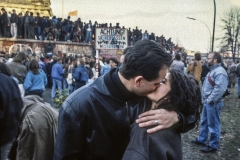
[(38, 130), (10, 109), (14, 18), (18, 70), (195, 68), (81, 74), (35, 82), (57, 71), (219, 77)]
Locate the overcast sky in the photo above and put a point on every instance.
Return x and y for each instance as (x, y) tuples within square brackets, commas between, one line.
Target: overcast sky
[(163, 17)]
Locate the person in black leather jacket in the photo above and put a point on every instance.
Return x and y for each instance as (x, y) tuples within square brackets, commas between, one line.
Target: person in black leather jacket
[(95, 120), (172, 96)]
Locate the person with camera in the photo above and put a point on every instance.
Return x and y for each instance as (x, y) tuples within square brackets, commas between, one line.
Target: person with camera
[(213, 91)]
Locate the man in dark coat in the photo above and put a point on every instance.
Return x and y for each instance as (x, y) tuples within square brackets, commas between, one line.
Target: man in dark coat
[(26, 24), (38, 26), (48, 48), (45, 23), (10, 111), (20, 26), (30, 31), (4, 22)]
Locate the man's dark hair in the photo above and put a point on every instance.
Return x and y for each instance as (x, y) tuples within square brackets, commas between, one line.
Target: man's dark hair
[(177, 57), (217, 56), (145, 58), (197, 56), (34, 66), (20, 57)]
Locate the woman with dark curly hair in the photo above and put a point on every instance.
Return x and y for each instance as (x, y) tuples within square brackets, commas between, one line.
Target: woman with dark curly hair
[(177, 93)]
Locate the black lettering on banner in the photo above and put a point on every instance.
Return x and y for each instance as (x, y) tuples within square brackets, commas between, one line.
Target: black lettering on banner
[(111, 38)]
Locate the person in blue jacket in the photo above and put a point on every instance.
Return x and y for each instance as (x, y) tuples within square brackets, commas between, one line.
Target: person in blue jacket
[(35, 81), (57, 76), (81, 75)]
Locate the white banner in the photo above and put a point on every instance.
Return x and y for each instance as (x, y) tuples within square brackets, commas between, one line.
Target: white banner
[(111, 38)]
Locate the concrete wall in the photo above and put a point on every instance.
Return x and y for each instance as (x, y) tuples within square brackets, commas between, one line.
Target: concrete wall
[(61, 47), (38, 47)]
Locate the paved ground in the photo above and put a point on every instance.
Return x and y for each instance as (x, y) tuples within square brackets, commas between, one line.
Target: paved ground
[(47, 96), (230, 132)]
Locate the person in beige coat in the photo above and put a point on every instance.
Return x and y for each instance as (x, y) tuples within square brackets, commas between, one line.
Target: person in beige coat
[(38, 129), (195, 67)]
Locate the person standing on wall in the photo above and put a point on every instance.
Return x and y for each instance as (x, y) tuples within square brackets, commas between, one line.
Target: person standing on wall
[(14, 21)]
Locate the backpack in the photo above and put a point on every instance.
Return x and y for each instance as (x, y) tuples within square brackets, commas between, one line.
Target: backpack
[(70, 78)]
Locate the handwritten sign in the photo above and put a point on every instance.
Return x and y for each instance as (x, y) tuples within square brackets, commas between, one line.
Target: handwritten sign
[(111, 38)]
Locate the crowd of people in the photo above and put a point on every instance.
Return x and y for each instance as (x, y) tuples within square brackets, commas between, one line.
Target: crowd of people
[(59, 73), (29, 26), (97, 120), (99, 107)]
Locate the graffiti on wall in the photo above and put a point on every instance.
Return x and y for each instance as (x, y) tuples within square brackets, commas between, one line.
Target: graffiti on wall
[(38, 47), (110, 53)]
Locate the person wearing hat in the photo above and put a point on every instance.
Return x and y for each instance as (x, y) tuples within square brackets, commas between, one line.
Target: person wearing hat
[(4, 22), (13, 21)]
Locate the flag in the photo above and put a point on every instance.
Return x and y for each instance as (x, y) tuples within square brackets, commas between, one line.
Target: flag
[(73, 13)]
